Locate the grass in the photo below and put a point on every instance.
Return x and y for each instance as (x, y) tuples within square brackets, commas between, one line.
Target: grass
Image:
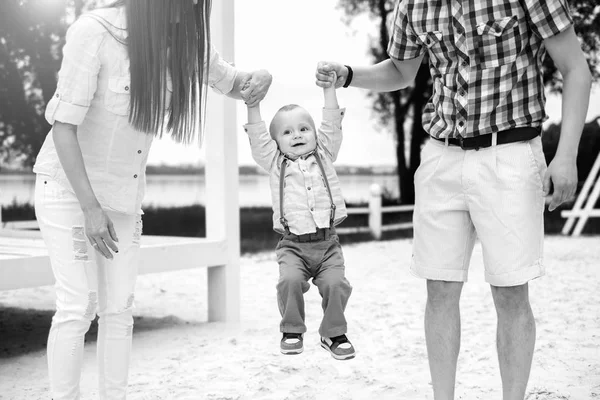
[(256, 223)]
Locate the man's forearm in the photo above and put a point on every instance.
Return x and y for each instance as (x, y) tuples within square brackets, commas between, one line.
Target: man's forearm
[(381, 77), (575, 100)]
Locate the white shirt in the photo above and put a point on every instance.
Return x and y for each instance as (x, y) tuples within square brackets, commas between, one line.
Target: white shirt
[(307, 205), (93, 93)]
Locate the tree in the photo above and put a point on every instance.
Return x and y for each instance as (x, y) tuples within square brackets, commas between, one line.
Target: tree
[(31, 38), (397, 107)]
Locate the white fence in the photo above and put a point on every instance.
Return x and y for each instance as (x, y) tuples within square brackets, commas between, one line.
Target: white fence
[(375, 210), (584, 205)]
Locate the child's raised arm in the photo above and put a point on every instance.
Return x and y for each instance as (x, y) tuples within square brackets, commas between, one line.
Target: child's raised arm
[(254, 114), (254, 110), (331, 102), (330, 131), (264, 148)]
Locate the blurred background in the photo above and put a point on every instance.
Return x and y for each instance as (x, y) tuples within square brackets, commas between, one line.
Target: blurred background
[(381, 141)]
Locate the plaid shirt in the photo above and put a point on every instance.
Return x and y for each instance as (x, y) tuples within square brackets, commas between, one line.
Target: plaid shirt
[(485, 58)]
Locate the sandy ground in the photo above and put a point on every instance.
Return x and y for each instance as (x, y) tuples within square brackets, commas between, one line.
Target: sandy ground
[(177, 355)]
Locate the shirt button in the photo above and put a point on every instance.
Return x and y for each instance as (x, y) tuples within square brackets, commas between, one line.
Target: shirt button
[(312, 209), (56, 95), (135, 176), (139, 152), (462, 93), (126, 88), (461, 123), (465, 63), (308, 188)]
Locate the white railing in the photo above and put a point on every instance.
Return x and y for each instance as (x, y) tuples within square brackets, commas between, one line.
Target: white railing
[(375, 210), (584, 205)]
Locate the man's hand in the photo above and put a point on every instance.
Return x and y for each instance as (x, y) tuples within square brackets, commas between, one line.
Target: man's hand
[(255, 87), (324, 76), (562, 176)]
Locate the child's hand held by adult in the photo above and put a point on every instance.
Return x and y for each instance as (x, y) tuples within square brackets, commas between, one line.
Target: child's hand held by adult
[(324, 77), (255, 87)]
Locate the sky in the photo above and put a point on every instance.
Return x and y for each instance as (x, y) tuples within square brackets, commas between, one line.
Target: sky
[(289, 38)]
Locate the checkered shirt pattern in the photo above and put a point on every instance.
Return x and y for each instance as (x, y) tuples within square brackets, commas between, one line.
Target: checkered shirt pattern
[(485, 58)]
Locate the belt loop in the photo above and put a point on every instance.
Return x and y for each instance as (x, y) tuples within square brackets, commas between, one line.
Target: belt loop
[(494, 139), (446, 139)]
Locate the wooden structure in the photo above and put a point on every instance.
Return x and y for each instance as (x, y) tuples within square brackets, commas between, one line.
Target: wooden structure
[(375, 210), (585, 202)]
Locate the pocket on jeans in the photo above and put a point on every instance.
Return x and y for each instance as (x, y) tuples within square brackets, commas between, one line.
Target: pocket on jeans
[(51, 189), (431, 155), (537, 160)]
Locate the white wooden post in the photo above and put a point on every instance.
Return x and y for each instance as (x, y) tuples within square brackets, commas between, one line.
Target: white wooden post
[(222, 200), (587, 210), (578, 210), (375, 211)]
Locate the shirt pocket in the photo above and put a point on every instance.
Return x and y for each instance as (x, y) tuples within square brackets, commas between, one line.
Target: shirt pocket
[(118, 97), (439, 54), (497, 42)]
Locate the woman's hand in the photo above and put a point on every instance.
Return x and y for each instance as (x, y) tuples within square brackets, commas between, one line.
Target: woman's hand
[(255, 87), (100, 231)]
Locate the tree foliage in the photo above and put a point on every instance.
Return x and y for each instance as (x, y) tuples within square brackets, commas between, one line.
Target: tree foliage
[(31, 38), (394, 108)]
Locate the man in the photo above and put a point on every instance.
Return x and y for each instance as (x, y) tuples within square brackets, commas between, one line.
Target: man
[(483, 174)]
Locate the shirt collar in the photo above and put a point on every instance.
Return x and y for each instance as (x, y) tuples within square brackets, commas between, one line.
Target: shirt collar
[(121, 23)]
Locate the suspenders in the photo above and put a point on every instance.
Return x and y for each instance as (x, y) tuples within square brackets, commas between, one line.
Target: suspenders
[(281, 184)]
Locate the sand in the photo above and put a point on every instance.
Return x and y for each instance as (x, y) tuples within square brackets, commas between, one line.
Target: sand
[(178, 355)]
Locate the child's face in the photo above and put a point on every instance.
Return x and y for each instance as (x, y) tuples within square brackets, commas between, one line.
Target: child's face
[(295, 132)]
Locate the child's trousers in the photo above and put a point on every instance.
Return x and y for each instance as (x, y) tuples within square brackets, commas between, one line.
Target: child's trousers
[(322, 261), (87, 284)]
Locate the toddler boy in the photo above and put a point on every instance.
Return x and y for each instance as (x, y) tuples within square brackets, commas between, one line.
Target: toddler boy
[(307, 204)]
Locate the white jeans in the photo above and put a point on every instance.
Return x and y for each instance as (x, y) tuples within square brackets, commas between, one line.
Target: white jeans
[(86, 284)]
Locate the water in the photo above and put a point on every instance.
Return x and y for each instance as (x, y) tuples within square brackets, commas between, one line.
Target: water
[(182, 190)]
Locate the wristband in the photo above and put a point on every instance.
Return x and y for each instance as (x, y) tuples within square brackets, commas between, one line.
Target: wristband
[(349, 77)]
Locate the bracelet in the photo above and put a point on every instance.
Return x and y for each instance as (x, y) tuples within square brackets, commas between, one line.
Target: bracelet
[(349, 77)]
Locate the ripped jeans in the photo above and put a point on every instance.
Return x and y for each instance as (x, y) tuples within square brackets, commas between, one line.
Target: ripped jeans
[(87, 284)]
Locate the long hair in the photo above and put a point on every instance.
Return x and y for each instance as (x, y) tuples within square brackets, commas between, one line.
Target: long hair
[(168, 37)]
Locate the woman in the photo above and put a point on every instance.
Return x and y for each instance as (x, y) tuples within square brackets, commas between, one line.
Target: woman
[(130, 72)]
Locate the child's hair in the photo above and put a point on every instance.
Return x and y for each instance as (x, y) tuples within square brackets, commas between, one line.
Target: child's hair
[(287, 107)]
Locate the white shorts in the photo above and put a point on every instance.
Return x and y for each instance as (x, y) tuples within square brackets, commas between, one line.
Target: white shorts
[(494, 194)]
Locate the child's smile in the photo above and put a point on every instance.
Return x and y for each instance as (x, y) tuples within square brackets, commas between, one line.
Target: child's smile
[(295, 132)]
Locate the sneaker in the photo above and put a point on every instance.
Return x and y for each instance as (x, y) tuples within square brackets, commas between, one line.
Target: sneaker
[(339, 347), (291, 343)]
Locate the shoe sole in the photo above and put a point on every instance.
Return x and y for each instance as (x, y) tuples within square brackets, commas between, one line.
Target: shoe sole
[(338, 357), (292, 352)]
